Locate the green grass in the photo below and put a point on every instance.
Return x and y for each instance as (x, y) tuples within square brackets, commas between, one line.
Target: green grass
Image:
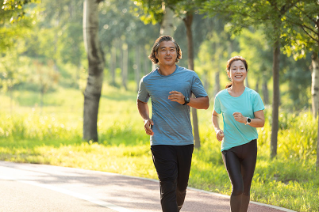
[(52, 135)]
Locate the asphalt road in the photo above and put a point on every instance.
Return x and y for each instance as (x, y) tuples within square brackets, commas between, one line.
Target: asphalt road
[(38, 188)]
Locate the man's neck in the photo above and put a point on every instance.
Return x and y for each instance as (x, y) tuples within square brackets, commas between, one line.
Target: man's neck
[(166, 70)]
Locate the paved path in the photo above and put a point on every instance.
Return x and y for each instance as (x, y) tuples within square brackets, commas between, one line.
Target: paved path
[(37, 188)]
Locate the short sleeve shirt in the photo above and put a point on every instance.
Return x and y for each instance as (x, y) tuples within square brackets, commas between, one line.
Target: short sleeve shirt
[(172, 124), (236, 133)]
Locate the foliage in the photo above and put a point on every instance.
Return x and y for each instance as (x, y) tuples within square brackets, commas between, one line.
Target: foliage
[(302, 29), (16, 19), (13, 10), (54, 137)]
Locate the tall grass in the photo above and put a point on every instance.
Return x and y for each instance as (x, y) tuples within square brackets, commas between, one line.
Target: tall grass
[(53, 136)]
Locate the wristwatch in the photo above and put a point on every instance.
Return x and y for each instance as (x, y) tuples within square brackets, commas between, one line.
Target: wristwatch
[(248, 121), (187, 100)]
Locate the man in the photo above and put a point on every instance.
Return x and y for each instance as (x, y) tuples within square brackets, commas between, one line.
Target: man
[(170, 88)]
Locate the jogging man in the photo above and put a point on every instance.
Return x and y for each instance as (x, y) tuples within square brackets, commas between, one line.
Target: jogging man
[(170, 88)]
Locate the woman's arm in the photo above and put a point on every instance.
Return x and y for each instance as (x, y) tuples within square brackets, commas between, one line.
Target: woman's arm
[(219, 132), (258, 121)]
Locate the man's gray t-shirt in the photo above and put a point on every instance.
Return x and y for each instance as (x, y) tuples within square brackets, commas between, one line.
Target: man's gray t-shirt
[(172, 124)]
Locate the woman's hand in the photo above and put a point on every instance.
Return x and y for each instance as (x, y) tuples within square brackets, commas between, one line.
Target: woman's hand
[(239, 117), (220, 135)]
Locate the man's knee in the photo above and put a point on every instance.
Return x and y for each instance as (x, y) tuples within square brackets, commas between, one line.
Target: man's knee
[(168, 186)]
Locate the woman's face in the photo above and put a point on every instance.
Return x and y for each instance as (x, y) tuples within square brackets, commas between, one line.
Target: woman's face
[(237, 72)]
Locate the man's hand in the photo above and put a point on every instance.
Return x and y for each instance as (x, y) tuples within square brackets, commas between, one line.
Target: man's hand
[(176, 96), (220, 135), (147, 126), (239, 117)]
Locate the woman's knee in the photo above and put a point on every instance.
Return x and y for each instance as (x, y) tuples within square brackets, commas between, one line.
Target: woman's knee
[(238, 189)]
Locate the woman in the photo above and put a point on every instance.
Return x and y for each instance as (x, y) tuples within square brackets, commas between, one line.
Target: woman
[(242, 111)]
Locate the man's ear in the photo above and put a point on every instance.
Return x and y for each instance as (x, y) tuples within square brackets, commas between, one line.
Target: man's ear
[(156, 54)]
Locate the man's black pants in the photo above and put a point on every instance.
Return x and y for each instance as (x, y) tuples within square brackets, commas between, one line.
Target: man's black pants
[(173, 165)]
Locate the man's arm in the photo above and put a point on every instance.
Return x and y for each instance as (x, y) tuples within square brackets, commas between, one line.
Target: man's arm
[(144, 112), (198, 103)]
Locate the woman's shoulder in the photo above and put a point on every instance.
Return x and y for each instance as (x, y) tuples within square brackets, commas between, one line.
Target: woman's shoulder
[(252, 92), (222, 93)]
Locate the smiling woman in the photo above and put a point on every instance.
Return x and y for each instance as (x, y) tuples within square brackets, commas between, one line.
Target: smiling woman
[(242, 110)]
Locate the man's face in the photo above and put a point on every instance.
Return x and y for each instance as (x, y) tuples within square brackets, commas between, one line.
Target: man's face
[(166, 53)]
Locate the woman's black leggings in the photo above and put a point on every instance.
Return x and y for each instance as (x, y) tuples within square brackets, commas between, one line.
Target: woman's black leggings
[(240, 162)]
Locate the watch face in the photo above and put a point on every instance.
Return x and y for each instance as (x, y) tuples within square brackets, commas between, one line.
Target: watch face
[(186, 99), (249, 120)]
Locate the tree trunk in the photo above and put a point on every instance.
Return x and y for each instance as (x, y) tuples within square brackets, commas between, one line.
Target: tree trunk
[(275, 103), (317, 163), (137, 67), (188, 23), (217, 84), (146, 62), (257, 85), (206, 81), (93, 88), (113, 64), (265, 90), (246, 82), (315, 84), (167, 25), (217, 80), (124, 65)]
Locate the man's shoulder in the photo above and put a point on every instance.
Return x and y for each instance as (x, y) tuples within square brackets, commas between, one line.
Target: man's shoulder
[(183, 69), (149, 75), (186, 72)]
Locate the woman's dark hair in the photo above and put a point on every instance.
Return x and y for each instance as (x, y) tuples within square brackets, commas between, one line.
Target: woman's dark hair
[(156, 45), (230, 61)]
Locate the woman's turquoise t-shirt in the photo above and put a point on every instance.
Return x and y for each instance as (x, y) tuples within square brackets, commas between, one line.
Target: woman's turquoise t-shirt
[(236, 133)]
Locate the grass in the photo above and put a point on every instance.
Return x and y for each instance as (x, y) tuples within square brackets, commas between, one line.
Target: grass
[(52, 135)]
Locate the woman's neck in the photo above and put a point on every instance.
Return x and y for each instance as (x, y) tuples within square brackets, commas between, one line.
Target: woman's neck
[(237, 89)]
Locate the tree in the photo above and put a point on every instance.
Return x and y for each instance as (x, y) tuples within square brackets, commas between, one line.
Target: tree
[(268, 14), (257, 52), (305, 39), (306, 16), (167, 25), (95, 57)]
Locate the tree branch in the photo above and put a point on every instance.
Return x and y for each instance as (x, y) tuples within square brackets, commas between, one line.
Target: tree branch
[(285, 8), (309, 17), (302, 27)]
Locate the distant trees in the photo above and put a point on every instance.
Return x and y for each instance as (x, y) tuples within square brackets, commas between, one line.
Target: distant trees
[(269, 15), (128, 29)]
